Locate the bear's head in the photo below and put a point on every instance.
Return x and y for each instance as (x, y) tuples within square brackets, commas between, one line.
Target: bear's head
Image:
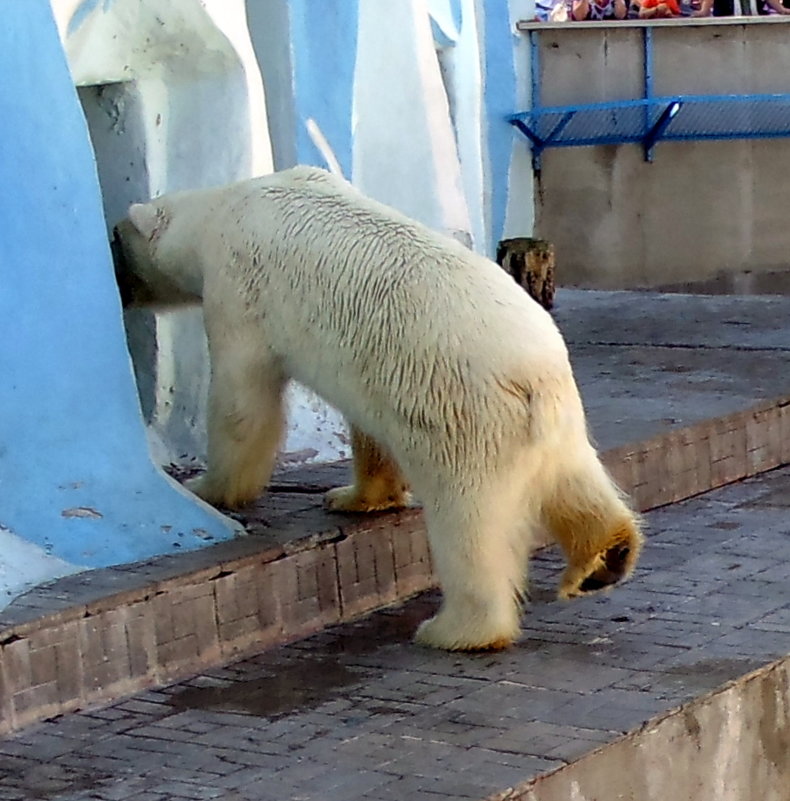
[(149, 259)]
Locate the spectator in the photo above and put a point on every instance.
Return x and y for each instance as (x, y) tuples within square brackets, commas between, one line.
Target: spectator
[(634, 7), (598, 9), (728, 8), (552, 11), (657, 9), (772, 7)]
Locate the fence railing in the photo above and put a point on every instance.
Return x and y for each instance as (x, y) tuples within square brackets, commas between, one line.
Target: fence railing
[(649, 119)]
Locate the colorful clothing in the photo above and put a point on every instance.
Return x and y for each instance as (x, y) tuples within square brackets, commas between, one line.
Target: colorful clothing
[(599, 12)]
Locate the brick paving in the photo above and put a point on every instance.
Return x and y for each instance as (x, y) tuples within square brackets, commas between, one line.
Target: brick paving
[(358, 713), (684, 393)]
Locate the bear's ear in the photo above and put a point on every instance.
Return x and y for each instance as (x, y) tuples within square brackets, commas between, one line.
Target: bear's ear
[(149, 220)]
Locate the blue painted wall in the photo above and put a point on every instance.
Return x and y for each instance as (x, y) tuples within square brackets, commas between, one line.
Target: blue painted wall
[(75, 475), (500, 92), (324, 43), (306, 50)]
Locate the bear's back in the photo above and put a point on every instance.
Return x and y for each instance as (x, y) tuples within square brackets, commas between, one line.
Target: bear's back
[(350, 293), (320, 238)]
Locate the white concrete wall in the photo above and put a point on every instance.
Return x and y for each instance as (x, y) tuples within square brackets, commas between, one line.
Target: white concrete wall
[(396, 66)]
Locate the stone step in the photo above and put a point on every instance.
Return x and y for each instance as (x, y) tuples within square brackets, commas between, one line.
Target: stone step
[(684, 393), (673, 686), (96, 636)]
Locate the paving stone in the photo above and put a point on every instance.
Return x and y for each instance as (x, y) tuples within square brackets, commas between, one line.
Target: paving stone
[(541, 738), (148, 795), (358, 713), (186, 790), (431, 790)]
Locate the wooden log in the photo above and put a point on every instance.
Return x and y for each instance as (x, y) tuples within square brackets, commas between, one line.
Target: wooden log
[(531, 264)]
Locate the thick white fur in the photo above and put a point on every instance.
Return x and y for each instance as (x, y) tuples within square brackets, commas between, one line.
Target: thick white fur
[(456, 377)]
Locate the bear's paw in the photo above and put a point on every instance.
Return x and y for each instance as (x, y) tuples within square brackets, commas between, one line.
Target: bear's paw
[(440, 632), (606, 570), (222, 494), (350, 499)]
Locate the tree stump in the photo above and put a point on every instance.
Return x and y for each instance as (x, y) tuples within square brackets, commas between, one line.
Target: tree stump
[(531, 264)]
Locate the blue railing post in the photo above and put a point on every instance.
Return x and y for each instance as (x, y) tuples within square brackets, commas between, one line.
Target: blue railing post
[(647, 58), (535, 98)]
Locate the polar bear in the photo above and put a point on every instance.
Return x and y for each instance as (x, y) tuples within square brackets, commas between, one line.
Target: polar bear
[(455, 383)]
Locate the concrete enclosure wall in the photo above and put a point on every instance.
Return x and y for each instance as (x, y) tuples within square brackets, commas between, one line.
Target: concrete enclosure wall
[(700, 207), (731, 745)]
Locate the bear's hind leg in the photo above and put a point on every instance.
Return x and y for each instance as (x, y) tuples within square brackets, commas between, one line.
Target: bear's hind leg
[(245, 424), (479, 547), (597, 530), (378, 482)]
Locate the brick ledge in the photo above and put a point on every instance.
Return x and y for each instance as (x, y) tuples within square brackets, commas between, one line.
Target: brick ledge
[(94, 637)]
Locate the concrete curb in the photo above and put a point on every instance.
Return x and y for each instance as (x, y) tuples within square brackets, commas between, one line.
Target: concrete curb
[(94, 637), (688, 752), (687, 461)]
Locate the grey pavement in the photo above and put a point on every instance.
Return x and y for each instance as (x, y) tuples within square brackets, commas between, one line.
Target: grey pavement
[(647, 363), (358, 713)]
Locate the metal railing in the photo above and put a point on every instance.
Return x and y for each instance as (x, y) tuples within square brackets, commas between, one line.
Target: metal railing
[(650, 118)]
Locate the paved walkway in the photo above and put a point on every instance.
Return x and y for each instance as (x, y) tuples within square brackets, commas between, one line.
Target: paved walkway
[(358, 713), (647, 363)]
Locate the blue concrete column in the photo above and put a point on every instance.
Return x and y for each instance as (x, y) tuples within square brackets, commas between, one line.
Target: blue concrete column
[(306, 50), (500, 47), (75, 474)]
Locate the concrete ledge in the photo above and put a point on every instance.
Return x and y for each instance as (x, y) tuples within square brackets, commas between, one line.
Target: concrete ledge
[(93, 637), (732, 743), (90, 638), (687, 461)]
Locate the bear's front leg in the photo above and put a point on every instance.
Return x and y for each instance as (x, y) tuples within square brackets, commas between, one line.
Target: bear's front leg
[(378, 482), (245, 421)]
